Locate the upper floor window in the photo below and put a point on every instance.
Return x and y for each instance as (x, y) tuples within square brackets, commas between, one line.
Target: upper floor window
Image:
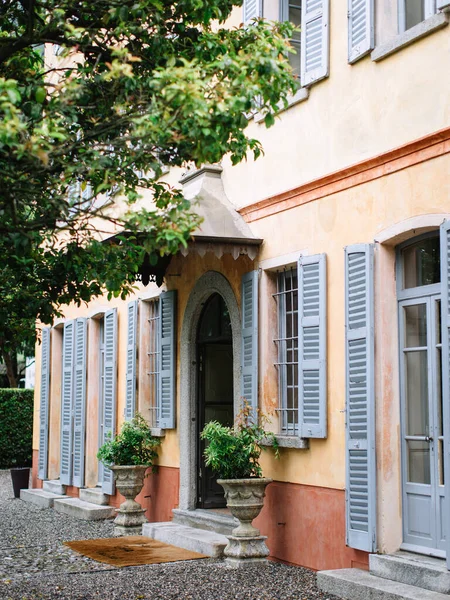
[(413, 12), (291, 10)]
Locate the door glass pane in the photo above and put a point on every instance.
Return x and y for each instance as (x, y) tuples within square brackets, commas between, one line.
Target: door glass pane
[(415, 325), (417, 393), (421, 263), (438, 321), (414, 12), (418, 462)]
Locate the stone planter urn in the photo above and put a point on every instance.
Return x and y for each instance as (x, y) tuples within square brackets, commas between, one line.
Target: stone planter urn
[(245, 499), (130, 516)]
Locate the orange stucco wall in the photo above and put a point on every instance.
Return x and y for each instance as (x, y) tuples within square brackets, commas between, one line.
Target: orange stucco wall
[(305, 526)]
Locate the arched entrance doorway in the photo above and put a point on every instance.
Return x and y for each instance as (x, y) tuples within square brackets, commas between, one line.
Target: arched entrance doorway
[(215, 388)]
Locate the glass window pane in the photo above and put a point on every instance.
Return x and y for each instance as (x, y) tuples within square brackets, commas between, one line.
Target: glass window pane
[(416, 393), (415, 325), (418, 462), (438, 322), (421, 263), (441, 462), (439, 389), (414, 12)]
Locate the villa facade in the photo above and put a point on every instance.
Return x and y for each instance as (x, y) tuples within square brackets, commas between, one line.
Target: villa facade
[(318, 288)]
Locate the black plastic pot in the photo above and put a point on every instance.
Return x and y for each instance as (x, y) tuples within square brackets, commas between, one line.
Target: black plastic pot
[(20, 478)]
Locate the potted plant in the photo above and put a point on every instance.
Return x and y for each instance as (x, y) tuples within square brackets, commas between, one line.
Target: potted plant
[(129, 454), (234, 453)]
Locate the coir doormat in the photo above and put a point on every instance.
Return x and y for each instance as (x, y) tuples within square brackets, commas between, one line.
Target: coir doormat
[(131, 551)]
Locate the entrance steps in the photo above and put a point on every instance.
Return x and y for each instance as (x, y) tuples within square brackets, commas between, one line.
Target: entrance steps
[(83, 510), (210, 520), (92, 505), (190, 538), (390, 577)]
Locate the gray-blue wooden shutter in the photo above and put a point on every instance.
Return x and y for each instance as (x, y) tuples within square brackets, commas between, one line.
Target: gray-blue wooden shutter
[(252, 9), (44, 404), (445, 329), (130, 390), (67, 404), (441, 4), (314, 38), (79, 402), (249, 340), (312, 346), (360, 398), (167, 346), (109, 391), (361, 37)]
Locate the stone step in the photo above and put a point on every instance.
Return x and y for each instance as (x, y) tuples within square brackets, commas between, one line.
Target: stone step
[(83, 510), (54, 486), (355, 584), (189, 538), (40, 497), (94, 496), (208, 520), (414, 569)]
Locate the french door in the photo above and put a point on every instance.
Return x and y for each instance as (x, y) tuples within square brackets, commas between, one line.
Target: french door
[(422, 427)]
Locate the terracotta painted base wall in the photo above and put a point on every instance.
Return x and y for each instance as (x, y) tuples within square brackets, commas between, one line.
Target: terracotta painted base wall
[(159, 495), (35, 482), (305, 526)]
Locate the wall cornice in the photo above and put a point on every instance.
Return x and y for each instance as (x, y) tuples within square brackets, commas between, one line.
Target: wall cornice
[(425, 148)]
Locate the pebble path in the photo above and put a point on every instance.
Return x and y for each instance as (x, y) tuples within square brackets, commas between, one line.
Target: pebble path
[(35, 564)]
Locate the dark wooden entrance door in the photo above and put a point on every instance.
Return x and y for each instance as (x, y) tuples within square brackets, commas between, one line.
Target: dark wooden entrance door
[(215, 389)]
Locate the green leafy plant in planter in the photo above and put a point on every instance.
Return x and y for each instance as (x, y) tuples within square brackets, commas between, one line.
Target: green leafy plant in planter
[(234, 453), (134, 445), (129, 454)]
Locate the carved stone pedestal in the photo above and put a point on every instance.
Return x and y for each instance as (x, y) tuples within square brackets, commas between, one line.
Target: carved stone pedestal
[(130, 516), (245, 499)]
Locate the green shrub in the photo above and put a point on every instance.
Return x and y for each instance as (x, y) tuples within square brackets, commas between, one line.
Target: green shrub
[(134, 445), (16, 428)]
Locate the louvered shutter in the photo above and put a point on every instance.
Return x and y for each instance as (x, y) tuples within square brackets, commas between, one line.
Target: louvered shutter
[(251, 10), (312, 346), (314, 38), (167, 341), (360, 28), (249, 340), (360, 398), (109, 391), (67, 404), (445, 329), (79, 402), (441, 4), (130, 391), (44, 404)]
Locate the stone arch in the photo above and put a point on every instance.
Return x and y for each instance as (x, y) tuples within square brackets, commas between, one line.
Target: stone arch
[(208, 284)]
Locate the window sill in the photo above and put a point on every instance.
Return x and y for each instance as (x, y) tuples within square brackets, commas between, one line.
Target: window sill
[(299, 96), (289, 441), (408, 37), (158, 432)]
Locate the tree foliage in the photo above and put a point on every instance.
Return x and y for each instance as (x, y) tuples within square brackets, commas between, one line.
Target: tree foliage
[(124, 89)]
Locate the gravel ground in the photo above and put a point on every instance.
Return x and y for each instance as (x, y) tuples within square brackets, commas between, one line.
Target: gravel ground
[(34, 564)]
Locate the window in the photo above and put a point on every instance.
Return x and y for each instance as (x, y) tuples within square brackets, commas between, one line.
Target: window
[(291, 11), (287, 342), (154, 354), (413, 12)]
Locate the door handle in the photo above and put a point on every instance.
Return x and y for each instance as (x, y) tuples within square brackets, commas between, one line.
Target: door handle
[(428, 438)]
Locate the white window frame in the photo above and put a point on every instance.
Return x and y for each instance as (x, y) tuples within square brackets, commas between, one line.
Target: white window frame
[(288, 423), (430, 10)]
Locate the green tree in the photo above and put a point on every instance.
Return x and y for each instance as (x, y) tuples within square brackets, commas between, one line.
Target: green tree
[(135, 86)]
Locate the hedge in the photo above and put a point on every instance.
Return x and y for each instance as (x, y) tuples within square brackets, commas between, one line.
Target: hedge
[(16, 428)]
